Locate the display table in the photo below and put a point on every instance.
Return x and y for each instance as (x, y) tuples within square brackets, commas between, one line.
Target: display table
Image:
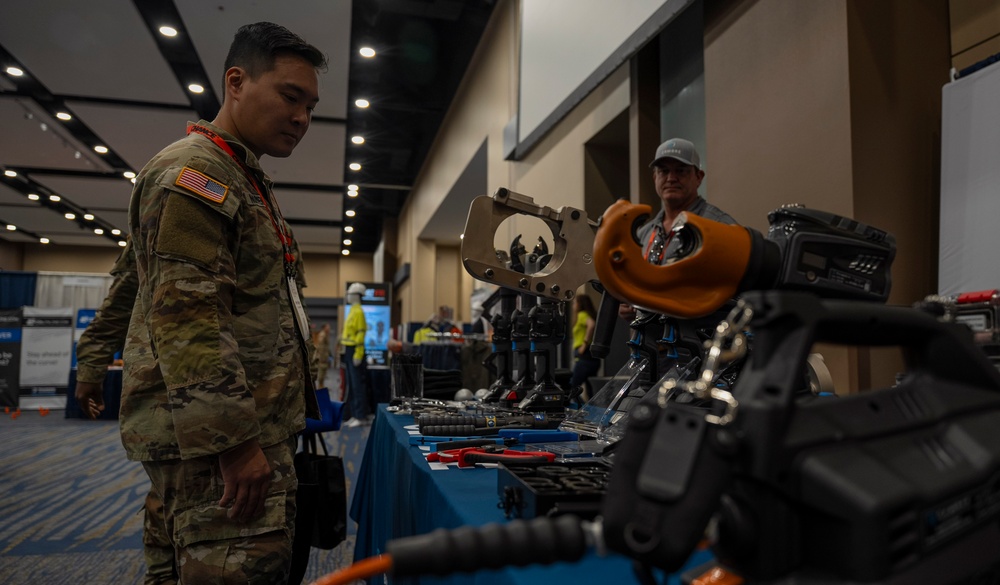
[(112, 396), (397, 494)]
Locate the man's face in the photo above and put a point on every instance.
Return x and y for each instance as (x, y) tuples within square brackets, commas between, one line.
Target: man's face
[(676, 183), (274, 110)]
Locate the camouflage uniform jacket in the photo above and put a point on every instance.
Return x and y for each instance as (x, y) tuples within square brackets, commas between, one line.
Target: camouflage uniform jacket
[(105, 336), (213, 356)]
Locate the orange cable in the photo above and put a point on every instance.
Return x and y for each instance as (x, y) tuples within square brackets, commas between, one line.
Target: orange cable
[(360, 570)]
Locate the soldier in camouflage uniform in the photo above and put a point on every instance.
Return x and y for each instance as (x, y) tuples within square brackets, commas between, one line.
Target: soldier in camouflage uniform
[(217, 379), (103, 338)]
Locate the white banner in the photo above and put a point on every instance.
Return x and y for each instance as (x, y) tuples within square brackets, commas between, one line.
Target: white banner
[(46, 346)]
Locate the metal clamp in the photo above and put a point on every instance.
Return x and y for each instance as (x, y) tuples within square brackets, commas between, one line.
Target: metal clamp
[(572, 263)]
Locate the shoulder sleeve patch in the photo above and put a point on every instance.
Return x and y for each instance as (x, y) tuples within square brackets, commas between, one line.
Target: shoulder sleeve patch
[(202, 185)]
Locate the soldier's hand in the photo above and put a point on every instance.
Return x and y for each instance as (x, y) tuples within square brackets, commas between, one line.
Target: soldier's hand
[(90, 396), (247, 477)]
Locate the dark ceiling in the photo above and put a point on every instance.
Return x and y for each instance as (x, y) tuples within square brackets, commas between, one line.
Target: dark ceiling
[(126, 87)]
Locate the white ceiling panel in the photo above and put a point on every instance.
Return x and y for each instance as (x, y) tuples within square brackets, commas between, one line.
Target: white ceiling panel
[(26, 144), (94, 195), (298, 204), (326, 24), (306, 234), (90, 48), (318, 158), (135, 133)]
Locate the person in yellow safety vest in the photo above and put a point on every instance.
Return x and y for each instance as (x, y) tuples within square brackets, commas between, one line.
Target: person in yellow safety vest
[(353, 343)]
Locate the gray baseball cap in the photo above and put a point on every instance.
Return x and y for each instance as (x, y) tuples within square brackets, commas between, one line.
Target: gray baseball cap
[(679, 149)]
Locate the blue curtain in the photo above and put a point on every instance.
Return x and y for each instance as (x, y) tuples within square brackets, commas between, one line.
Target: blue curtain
[(17, 289)]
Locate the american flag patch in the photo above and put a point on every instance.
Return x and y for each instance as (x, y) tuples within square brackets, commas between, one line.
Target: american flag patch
[(200, 184)]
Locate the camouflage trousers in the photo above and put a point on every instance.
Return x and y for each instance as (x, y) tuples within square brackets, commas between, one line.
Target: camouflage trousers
[(209, 547), (156, 546)]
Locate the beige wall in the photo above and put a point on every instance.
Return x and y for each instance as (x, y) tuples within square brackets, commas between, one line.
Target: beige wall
[(11, 256), (553, 173), (834, 104), (975, 31)]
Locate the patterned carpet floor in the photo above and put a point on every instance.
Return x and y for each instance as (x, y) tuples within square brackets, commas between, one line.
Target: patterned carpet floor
[(70, 510)]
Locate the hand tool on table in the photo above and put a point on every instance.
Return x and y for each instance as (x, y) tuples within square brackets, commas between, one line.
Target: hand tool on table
[(470, 456)]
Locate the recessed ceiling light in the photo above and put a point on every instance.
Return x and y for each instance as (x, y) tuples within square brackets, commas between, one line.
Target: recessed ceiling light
[(10, 174), (133, 180), (347, 242), (354, 166), (461, 236), (43, 240), (358, 139), (349, 228), (70, 216), (345, 252), (128, 175), (352, 193), (99, 231), (33, 196), (116, 232), (367, 52), (55, 198), (14, 72), (65, 117), (352, 187), (88, 217), (11, 227), (168, 31), (362, 103), (350, 213), (195, 88), (101, 149), (122, 243)]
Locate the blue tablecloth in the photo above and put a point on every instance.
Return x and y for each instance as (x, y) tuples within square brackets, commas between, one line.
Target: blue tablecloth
[(397, 494)]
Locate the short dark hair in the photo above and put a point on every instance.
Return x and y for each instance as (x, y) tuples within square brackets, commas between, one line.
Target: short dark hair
[(586, 305), (255, 47)]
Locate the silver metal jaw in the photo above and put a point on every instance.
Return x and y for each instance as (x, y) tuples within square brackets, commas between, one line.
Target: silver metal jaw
[(572, 262)]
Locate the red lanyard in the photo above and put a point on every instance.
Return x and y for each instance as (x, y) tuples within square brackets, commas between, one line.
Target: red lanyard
[(285, 239)]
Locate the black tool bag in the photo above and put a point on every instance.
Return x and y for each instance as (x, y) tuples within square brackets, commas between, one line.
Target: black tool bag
[(321, 499)]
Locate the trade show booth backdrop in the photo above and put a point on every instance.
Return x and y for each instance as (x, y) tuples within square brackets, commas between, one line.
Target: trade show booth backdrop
[(42, 314)]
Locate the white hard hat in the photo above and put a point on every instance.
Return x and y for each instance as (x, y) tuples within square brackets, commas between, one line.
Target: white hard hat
[(356, 289)]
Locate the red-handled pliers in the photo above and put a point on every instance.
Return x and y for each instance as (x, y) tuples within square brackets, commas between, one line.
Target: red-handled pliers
[(470, 456)]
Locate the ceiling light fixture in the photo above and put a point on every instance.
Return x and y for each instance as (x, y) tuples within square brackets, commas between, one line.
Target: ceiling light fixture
[(65, 117), (367, 52), (11, 227), (70, 216), (347, 242), (99, 149), (354, 166), (352, 187), (99, 231), (128, 175), (11, 174), (352, 193), (122, 243), (88, 217), (349, 228), (350, 213), (195, 88), (14, 72), (345, 252), (33, 196), (55, 198), (43, 240), (358, 139), (168, 31), (116, 232), (362, 103)]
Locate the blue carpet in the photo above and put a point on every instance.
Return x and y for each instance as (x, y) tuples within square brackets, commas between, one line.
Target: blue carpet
[(71, 505)]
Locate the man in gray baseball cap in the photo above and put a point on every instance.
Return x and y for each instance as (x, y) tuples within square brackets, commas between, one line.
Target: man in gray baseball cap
[(677, 174)]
